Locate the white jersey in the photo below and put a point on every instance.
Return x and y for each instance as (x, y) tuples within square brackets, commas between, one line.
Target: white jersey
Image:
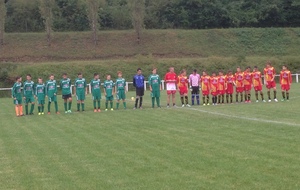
[(194, 80)]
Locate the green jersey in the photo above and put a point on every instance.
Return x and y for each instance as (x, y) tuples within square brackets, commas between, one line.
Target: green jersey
[(28, 88), (51, 88), (40, 91), (154, 82), (95, 86), (120, 84), (16, 90), (108, 86), (80, 85), (65, 85)]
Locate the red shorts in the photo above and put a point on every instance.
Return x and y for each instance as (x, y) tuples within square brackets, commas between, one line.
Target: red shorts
[(271, 84), (205, 93), (258, 88), (214, 93), (221, 92), (229, 90), (247, 87), (285, 87), (183, 91), (239, 89), (171, 92)]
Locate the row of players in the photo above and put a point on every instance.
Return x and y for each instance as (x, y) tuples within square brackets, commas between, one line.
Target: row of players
[(217, 86)]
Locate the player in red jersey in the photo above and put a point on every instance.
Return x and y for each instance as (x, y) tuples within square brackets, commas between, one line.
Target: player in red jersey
[(205, 86), (285, 82), (257, 83), (270, 73), (170, 79), (221, 87), (230, 78), (214, 87), (247, 84), (239, 84), (182, 85)]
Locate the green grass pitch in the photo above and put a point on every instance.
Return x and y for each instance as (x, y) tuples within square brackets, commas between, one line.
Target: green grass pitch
[(244, 146)]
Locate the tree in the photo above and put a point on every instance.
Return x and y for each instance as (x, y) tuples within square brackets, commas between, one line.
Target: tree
[(46, 7), (93, 8), (2, 21), (138, 13)]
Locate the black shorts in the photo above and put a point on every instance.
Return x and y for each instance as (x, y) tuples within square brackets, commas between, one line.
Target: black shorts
[(195, 89), (140, 91), (67, 96)]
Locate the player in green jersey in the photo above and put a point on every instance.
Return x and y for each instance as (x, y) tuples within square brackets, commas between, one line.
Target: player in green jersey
[(51, 91), (65, 85), (109, 92), (80, 89), (155, 87), (17, 96), (40, 93), (28, 92), (96, 92), (120, 90)]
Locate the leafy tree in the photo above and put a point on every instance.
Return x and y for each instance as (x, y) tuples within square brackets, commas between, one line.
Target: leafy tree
[(46, 7), (138, 14)]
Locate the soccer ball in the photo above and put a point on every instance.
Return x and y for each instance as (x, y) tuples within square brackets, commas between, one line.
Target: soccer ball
[(132, 98)]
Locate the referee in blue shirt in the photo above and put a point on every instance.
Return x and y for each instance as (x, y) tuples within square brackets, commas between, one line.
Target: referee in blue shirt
[(138, 83)]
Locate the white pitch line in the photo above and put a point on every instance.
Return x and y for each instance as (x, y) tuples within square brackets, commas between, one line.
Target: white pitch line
[(246, 118)]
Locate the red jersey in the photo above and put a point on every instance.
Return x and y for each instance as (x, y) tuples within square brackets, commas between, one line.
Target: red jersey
[(214, 84), (285, 77), (239, 79), (182, 81), (205, 83), (247, 78), (229, 80), (221, 83), (256, 78), (269, 74), (170, 77)]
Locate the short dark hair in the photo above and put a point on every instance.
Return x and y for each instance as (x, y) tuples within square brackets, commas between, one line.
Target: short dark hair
[(195, 70), (65, 74), (255, 67), (29, 75), (51, 75), (138, 69), (79, 74), (95, 74), (18, 77)]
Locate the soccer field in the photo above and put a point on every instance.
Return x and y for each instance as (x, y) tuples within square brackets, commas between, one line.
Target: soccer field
[(236, 146)]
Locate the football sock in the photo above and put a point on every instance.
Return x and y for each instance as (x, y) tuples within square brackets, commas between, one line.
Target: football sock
[(186, 100), (106, 104), (111, 104), (223, 99), (203, 99), (158, 101), (287, 95), (94, 103), (117, 105), (70, 105), (26, 109), (283, 95), (249, 97), (269, 95), (65, 106), (21, 109), (182, 102), (141, 101), (31, 108), (39, 109), (219, 99), (275, 94), (241, 97), (43, 108), (231, 98), (207, 99), (124, 104), (78, 106), (152, 100), (82, 106), (227, 98), (256, 95), (56, 106), (193, 99), (198, 99), (262, 96), (246, 97), (98, 102), (136, 102), (49, 104), (237, 97), (17, 110)]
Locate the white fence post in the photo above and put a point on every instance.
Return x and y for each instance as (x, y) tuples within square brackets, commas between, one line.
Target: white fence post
[(163, 84), (297, 78), (126, 86)]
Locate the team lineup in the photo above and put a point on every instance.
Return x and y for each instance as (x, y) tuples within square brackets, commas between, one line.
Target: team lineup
[(219, 85)]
